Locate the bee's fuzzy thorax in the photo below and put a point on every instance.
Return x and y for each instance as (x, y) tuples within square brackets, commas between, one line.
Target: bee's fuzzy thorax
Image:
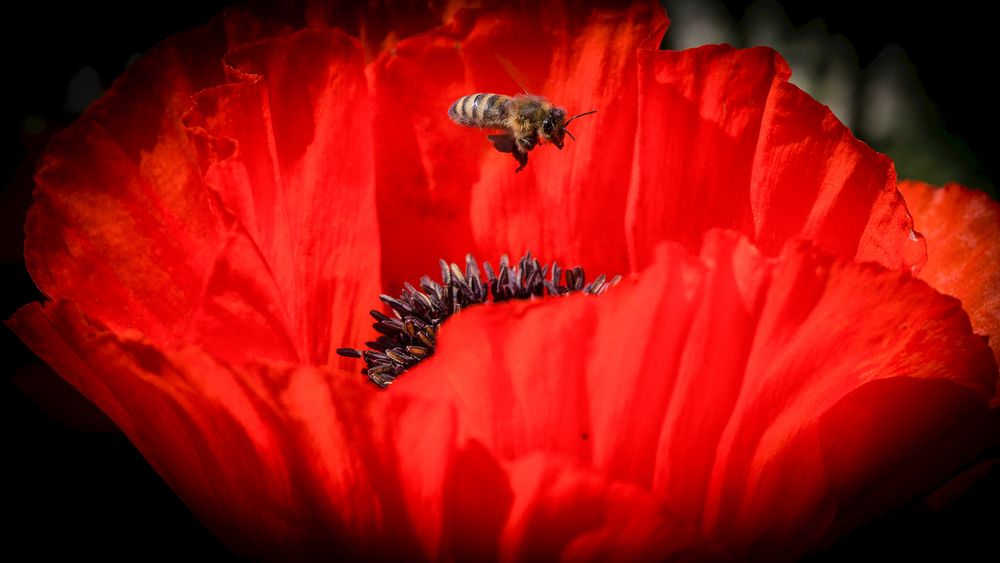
[(527, 119)]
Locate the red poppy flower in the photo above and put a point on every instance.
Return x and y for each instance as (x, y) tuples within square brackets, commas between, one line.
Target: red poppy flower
[(768, 375)]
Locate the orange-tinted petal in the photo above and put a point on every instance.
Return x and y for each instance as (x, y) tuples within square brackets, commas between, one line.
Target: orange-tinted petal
[(719, 382), (726, 141), (288, 149), (122, 223), (962, 227), (444, 191)]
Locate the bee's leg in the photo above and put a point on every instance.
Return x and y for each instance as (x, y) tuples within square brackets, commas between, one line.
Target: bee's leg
[(524, 144), (522, 158)]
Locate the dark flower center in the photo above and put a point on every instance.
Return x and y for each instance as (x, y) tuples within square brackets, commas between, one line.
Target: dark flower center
[(410, 335)]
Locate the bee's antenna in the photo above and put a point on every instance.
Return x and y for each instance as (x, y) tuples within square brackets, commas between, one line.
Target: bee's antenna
[(570, 134), (578, 115)]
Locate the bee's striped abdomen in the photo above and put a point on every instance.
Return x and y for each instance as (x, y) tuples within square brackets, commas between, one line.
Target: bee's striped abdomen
[(480, 110)]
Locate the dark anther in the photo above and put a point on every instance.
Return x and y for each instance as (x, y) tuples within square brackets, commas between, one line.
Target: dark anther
[(400, 307), (411, 335)]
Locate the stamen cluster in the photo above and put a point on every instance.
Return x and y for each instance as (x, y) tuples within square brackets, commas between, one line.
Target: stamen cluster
[(410, 335)]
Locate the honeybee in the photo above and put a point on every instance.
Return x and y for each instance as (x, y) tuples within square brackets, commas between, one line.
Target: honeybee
[(527, 119)]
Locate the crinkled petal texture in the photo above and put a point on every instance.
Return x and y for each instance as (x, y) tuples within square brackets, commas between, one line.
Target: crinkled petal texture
[(748, 151), (214, 227), (682, 142), (275, 147), (962, 227), (768, 401), (250, 213), (512, 443)]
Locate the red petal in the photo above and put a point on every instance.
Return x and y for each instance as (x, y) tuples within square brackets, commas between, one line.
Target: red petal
[(442, 189), (122, 223), (120, 213), (830, 332), (478, 499), (696, 146), (378, 472), (707, 378), (726, 141), (282, 459), (288, 150), (563, 511), (962, 228), (241, 317)]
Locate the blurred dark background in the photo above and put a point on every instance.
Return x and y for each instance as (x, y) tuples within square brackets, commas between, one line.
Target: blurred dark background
[(911, 82)]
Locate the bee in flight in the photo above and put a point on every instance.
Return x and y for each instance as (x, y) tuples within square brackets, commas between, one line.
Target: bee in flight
[(527, 119)]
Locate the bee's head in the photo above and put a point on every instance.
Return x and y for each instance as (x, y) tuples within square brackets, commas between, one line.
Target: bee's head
[(554, 126)]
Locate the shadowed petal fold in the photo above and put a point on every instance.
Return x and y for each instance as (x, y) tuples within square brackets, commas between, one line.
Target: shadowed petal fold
[(564, 511), (207, 429)]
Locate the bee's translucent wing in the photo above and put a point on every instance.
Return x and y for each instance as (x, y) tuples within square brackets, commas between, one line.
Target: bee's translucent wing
[(512, 71)]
